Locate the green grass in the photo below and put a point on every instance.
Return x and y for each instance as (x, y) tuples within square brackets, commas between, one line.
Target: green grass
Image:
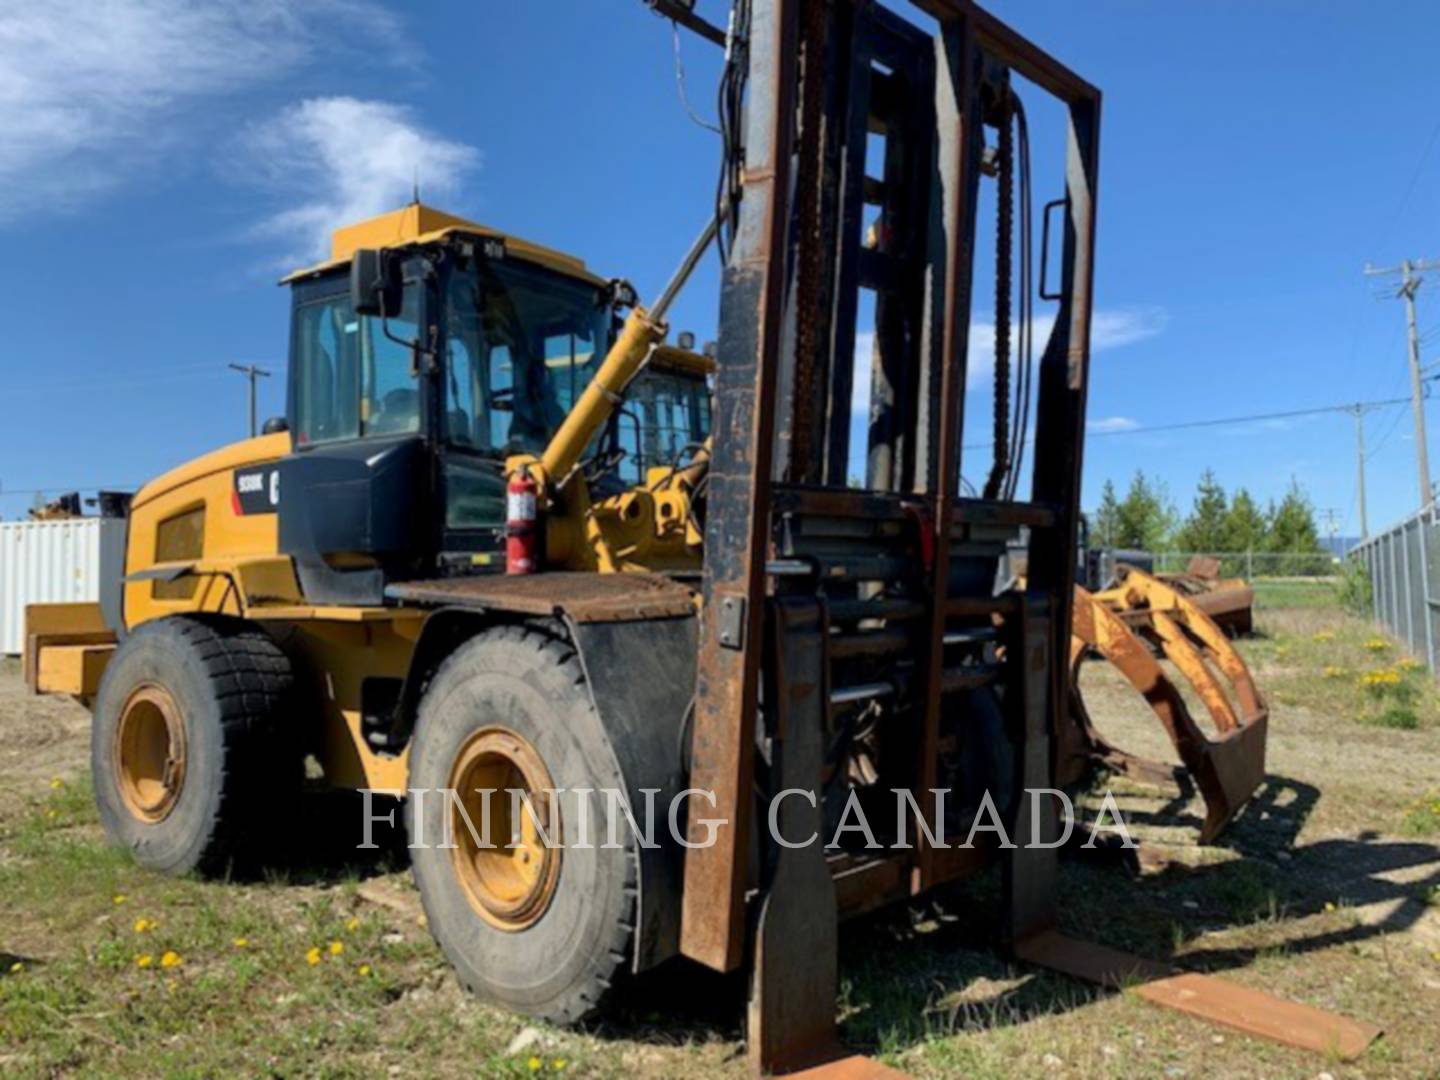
[(1398, 718), (1422, 817), (1274, 593), (302, 981)]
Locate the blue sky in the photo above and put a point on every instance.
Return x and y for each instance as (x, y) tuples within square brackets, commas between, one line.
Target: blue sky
[(163, 163)]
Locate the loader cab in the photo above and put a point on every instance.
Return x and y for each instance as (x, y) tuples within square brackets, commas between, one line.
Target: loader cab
[(470, 347)]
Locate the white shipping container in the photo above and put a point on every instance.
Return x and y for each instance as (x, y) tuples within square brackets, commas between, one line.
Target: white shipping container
[(46, 562)]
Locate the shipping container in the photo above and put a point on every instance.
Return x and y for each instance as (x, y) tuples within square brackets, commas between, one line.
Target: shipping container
[(43, 562)]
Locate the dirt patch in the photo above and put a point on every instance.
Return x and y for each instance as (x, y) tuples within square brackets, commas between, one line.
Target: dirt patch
[(40, 738)]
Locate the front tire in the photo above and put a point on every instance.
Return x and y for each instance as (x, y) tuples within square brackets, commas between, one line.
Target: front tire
[(191, 746), (541, 931)]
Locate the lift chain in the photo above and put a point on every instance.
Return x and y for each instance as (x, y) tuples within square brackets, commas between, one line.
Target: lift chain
[(1004, 247)]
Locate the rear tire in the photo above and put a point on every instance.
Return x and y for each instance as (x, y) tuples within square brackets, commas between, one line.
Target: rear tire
[(555, 950), (192, 749)]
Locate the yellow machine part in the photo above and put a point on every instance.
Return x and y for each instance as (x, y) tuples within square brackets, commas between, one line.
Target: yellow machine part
[(66, 648), (188, 518)]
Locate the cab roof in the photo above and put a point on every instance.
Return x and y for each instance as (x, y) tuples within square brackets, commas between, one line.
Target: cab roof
[(419, 224)]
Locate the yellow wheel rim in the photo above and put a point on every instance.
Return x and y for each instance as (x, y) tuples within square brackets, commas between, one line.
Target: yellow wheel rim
[(150, 753), (509, 874)]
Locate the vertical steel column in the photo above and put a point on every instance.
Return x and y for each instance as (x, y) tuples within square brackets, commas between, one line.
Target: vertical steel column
[(945, 348), (1030, 873), (737, 530)]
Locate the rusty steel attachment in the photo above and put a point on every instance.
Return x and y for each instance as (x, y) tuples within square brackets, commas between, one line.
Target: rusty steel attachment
[(1228, 601), (1206, 997), (1135, 625)]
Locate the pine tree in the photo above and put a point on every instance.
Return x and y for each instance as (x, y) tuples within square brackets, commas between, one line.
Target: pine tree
[(1204, 530), (1245, 525), (1107, 517), (1292, 532), (1145, 518)]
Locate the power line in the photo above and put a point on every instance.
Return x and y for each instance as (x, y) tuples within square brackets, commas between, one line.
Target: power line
[(1415, 177), (1221, 421)]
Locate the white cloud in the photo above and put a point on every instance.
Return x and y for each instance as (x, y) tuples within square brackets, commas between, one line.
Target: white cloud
[(1105, 424), (92, 92), (308, 156), (1114, 327)]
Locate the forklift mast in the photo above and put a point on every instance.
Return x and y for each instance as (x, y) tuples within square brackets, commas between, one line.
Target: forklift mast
[(803, 573)]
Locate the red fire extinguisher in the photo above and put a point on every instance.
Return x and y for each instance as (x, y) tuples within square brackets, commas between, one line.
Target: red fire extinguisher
[(522, 533)]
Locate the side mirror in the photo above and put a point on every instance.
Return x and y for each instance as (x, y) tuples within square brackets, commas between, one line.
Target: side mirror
[(275, 425), (375, 284)]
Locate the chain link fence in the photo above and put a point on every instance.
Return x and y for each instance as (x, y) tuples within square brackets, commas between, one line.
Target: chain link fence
[(1401, 564), (1253, 564), (1318, 567)]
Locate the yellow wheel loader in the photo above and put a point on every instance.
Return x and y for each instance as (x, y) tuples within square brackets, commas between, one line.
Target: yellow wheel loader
[(718, 624)]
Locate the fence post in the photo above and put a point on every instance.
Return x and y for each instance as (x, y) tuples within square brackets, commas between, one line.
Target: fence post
[(1372, 564), (1250, 564), (1393, 621), (1404, 534), (1425, 597)]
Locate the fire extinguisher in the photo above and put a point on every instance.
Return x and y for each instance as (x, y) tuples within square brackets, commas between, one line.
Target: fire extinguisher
[(522, 533)]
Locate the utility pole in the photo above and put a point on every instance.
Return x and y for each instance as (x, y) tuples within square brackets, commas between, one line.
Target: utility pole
[(1410, 284), (252, 372), (1358, 411)]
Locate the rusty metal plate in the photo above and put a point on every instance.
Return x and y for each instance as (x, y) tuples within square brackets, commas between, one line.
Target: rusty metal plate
[(585, 597), (1254, 1012), (850, 1068), (1205, 997), (1087, 961)]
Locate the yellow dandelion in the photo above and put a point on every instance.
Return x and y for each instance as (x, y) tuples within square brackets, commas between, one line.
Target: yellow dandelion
[(1329, 906), (118, 899), (56, 783), (534, 1064), (144, 926), (1376, 644), (241, 943), (363, 971), (16, 968), (52, 813), (353, 924), (312, 955), (144, 960), (1333, 672), (559, 1064), (336, 948), (1324, 636), (170, 959)]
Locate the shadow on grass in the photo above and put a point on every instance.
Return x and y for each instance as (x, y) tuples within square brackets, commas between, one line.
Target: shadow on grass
[(324, 841), (938, 972)]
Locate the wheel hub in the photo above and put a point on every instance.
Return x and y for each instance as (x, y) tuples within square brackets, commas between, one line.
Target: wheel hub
[(150, 753), (504, 866)]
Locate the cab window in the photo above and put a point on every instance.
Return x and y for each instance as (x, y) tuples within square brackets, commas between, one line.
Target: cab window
[(522, 345), (349, 380)]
